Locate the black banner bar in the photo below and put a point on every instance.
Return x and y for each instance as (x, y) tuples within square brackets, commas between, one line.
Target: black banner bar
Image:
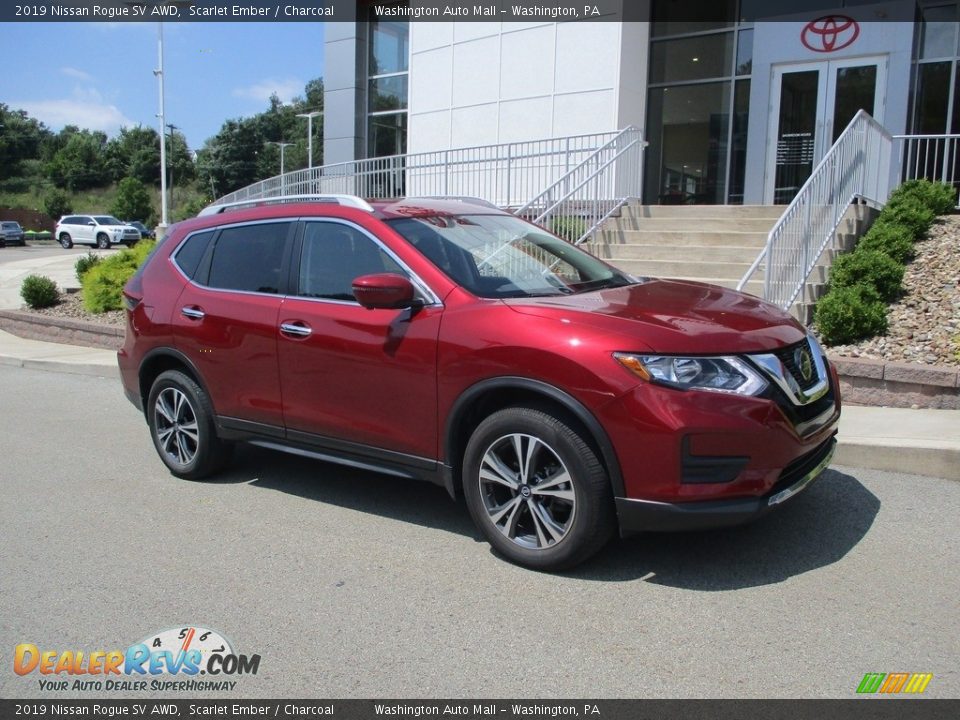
[(350, 11), (873, 708)]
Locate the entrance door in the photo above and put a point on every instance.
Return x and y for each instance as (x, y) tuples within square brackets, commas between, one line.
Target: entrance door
[(812, 104)]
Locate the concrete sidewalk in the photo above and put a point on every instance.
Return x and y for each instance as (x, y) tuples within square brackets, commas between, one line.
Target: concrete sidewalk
[(920, 442)]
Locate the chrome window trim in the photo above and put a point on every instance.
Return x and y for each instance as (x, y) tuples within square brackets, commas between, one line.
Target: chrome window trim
[(215, 229), (433, 300)]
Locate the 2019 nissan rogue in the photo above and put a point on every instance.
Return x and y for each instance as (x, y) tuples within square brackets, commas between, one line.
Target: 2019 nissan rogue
[(453, 342)]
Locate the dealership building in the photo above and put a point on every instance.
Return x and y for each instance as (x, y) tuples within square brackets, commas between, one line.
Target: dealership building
[(737, 99)]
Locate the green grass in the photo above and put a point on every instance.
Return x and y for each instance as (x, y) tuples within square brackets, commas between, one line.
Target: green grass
[(96, 200)]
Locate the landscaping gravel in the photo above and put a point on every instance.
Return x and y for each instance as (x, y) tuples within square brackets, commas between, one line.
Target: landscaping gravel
[(924, 324), (71, 306)]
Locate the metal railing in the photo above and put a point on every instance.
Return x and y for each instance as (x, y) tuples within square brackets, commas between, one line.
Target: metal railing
[(578, 203), (857, 166), (930, 157), (507, 174)]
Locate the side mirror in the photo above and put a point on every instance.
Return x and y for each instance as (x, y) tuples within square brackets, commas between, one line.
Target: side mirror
[(92, 223), (384, 291)]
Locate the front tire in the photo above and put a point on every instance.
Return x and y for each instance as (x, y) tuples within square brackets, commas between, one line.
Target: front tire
[(103, 242), (536, 489), (182, 427), (65, 241)]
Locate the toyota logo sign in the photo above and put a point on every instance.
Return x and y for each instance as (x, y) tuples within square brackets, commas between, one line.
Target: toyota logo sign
[(830, 33)]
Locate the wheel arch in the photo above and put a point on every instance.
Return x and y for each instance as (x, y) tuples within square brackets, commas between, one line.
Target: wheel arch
[(487, 396), (160, 360)]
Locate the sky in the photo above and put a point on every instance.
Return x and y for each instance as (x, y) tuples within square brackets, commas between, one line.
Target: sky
[(99, 76)]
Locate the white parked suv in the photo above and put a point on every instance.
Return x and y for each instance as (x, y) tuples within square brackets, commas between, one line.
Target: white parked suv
[(100, 230)]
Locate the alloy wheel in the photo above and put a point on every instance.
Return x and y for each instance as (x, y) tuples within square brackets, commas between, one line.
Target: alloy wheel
[(527, 491), (178, 434)]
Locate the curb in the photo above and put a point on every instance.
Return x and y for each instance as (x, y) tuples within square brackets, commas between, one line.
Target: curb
[(67, 331), (900, 456), (72, 368)]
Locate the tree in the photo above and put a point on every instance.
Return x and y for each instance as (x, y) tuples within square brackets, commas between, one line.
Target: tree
[(57, 204), (20, 139), (132, 202), (81, 163), (135, 153)]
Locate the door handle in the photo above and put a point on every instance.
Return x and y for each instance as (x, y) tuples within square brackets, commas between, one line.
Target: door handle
[(192, 312), (296, 328)]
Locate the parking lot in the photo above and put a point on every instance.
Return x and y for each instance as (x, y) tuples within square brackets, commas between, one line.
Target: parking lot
[(349, 584)]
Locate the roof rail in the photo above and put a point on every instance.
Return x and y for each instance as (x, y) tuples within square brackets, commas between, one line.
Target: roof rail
[(345, 200), (456, 198)]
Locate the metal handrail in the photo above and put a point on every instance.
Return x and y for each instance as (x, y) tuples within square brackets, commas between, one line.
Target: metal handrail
[(506, 174), (930, 157), (577, 204), (856, 166)]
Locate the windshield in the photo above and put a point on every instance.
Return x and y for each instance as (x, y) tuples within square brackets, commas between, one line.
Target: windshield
[(11, 226), (106, 220), (500, 256)]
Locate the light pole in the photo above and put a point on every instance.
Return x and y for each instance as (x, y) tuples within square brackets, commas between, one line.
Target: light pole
[(163, 150), (171, 127), (310, 116), (283, 180)]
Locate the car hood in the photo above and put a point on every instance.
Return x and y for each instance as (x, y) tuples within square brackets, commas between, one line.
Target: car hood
[(673, 316)]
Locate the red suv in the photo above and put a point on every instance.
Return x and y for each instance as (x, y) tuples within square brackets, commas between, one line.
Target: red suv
[(449, 341)]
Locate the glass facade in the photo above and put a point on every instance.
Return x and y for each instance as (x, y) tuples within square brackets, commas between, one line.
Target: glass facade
[(697, 105), (388, 43)]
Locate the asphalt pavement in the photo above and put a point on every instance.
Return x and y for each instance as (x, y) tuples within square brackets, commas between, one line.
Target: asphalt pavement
[(350, 584)]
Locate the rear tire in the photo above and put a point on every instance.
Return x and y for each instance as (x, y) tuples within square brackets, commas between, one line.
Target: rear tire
[(65, 241), (182, 427), (536, 489)]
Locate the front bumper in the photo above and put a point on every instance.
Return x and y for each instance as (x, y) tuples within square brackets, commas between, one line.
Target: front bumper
[(656, 516)]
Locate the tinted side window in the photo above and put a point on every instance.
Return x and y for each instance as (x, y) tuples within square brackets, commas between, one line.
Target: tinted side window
[(249, 257), (72, 220), (190, 254), (333, 256)]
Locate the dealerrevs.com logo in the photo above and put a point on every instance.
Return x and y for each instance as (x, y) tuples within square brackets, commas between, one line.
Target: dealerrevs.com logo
[(171, 660)]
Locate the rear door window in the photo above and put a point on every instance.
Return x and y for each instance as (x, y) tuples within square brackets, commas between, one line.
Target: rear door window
[(250, 257)]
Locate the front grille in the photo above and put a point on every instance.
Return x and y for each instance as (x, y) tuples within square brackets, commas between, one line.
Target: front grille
[(788, 356)]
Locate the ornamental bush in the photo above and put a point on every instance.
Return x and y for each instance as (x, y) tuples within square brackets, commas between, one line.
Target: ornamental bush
[(84, 263), (893, 240), (939, 197), (910, 212), (868, 267), (39, 291), (848, 314), (103, 283)]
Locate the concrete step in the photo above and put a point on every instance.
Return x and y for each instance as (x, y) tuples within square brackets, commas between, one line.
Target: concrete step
[(679, 268), (696, 224), (700, 238), (703, 211), (687, 253)]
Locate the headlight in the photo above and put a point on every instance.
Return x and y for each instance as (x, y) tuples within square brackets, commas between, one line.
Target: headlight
[(717, 374)]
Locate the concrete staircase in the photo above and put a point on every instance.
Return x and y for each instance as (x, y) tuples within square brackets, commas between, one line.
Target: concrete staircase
[(709, 243)]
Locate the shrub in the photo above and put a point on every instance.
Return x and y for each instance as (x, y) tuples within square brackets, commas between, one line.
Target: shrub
[(939, 197), (910, 212), (848, 314), (39, 291), (103, 283), (569, 227), (84, 263), (57, 204), (893, 240), (868, 267)]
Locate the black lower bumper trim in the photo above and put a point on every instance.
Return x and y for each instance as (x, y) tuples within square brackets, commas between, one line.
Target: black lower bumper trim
[(655, 516)]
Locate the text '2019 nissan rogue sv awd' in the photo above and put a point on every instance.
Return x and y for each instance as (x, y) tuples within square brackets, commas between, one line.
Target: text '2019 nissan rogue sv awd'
[(453, 342)]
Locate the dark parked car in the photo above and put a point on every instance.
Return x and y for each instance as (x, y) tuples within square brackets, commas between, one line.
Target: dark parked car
[(145, 232), (455, 343), (11, 233)]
